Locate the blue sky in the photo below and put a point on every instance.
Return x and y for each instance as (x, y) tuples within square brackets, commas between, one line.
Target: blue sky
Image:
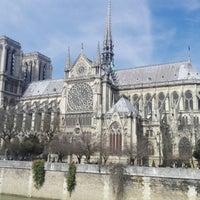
[(144, 32)]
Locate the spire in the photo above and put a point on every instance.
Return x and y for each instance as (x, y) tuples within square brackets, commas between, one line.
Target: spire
[(108, 24), (107, 43), (68, 65), (98, 56), (189, 58), (82, 49)]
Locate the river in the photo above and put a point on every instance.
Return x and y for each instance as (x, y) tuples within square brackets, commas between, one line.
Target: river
[(6, 197)]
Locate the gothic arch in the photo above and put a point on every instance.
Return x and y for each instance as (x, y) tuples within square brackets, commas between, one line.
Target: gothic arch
[(175, 98), (115, 137), (135, 99), (148, 104), (161, 101), (185, 150), (13, 60), (188, 100), (150, 149)]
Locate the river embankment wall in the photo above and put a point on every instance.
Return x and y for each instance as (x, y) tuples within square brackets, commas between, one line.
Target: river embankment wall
[(93, 183)]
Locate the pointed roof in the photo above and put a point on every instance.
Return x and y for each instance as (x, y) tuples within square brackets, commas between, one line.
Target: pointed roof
[(82, 55), (122, 106)]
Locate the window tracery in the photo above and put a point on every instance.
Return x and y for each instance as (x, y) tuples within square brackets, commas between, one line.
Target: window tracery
[(188, 100), (136, 101), (148, 104), (185, 151), (161, 101), (175, 97), (80, 97)]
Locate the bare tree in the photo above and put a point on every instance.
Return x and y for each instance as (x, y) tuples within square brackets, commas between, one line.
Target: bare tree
[(85, 145), (8, 129), (60, 145), (77, 150), (106, 152), (50, 128), (104, 149)]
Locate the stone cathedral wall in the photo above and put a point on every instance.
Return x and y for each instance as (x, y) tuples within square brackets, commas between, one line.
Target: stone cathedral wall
[(142, 184)]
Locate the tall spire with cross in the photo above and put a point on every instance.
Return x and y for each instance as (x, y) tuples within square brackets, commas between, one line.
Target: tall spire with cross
[(108, 55)]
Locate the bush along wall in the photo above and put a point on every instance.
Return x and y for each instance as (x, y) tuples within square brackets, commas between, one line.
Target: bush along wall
[(38, 173), (71, 178)]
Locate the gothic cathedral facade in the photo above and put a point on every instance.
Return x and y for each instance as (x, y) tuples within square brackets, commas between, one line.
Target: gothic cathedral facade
[(147, 114)]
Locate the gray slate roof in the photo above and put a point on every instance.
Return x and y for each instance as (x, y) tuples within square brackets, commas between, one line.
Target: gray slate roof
[(122, 106), (44, 88), (157, 73)]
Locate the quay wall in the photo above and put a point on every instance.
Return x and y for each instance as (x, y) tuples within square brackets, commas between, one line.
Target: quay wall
[(143, 183)]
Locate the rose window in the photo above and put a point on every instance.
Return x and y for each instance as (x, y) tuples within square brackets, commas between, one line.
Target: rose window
[(80, 97)]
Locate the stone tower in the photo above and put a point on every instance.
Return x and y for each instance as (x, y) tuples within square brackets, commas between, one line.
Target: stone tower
[(10, 71), (36, 67)]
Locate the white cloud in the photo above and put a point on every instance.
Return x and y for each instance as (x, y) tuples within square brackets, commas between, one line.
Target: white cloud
[(52, 26), (133, 34), (191, 5)]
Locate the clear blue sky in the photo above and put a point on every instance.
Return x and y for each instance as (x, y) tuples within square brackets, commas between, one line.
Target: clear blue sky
[(144, 32)]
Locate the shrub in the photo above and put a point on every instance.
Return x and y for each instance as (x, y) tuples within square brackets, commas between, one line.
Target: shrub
[(38, 173), (71, 178)]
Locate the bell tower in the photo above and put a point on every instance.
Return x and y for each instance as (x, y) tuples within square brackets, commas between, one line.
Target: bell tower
[(10, 71)]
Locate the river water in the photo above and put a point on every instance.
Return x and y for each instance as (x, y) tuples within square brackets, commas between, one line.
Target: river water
[(6, 197)]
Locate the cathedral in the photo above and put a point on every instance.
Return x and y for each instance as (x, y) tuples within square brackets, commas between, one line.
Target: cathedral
[(147, 114)]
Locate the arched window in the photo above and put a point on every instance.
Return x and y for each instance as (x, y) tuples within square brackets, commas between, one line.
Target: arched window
[(8, 51), (47, 121), (188, 100), (136, 101), (19, 121), (149, 133), (12, 67), (150, 149), (161, 103), (28, 72), (28, 122), (196, 121), (175, 98), (184, 120), (25, 72), (185, 150), (38, 121), (148, 104), (44, 72), (115, 137)]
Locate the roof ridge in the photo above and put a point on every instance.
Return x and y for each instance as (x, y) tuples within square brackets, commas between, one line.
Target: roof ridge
[(154, 65)]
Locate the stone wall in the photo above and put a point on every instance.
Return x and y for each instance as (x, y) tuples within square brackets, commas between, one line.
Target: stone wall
[(142, 183)]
